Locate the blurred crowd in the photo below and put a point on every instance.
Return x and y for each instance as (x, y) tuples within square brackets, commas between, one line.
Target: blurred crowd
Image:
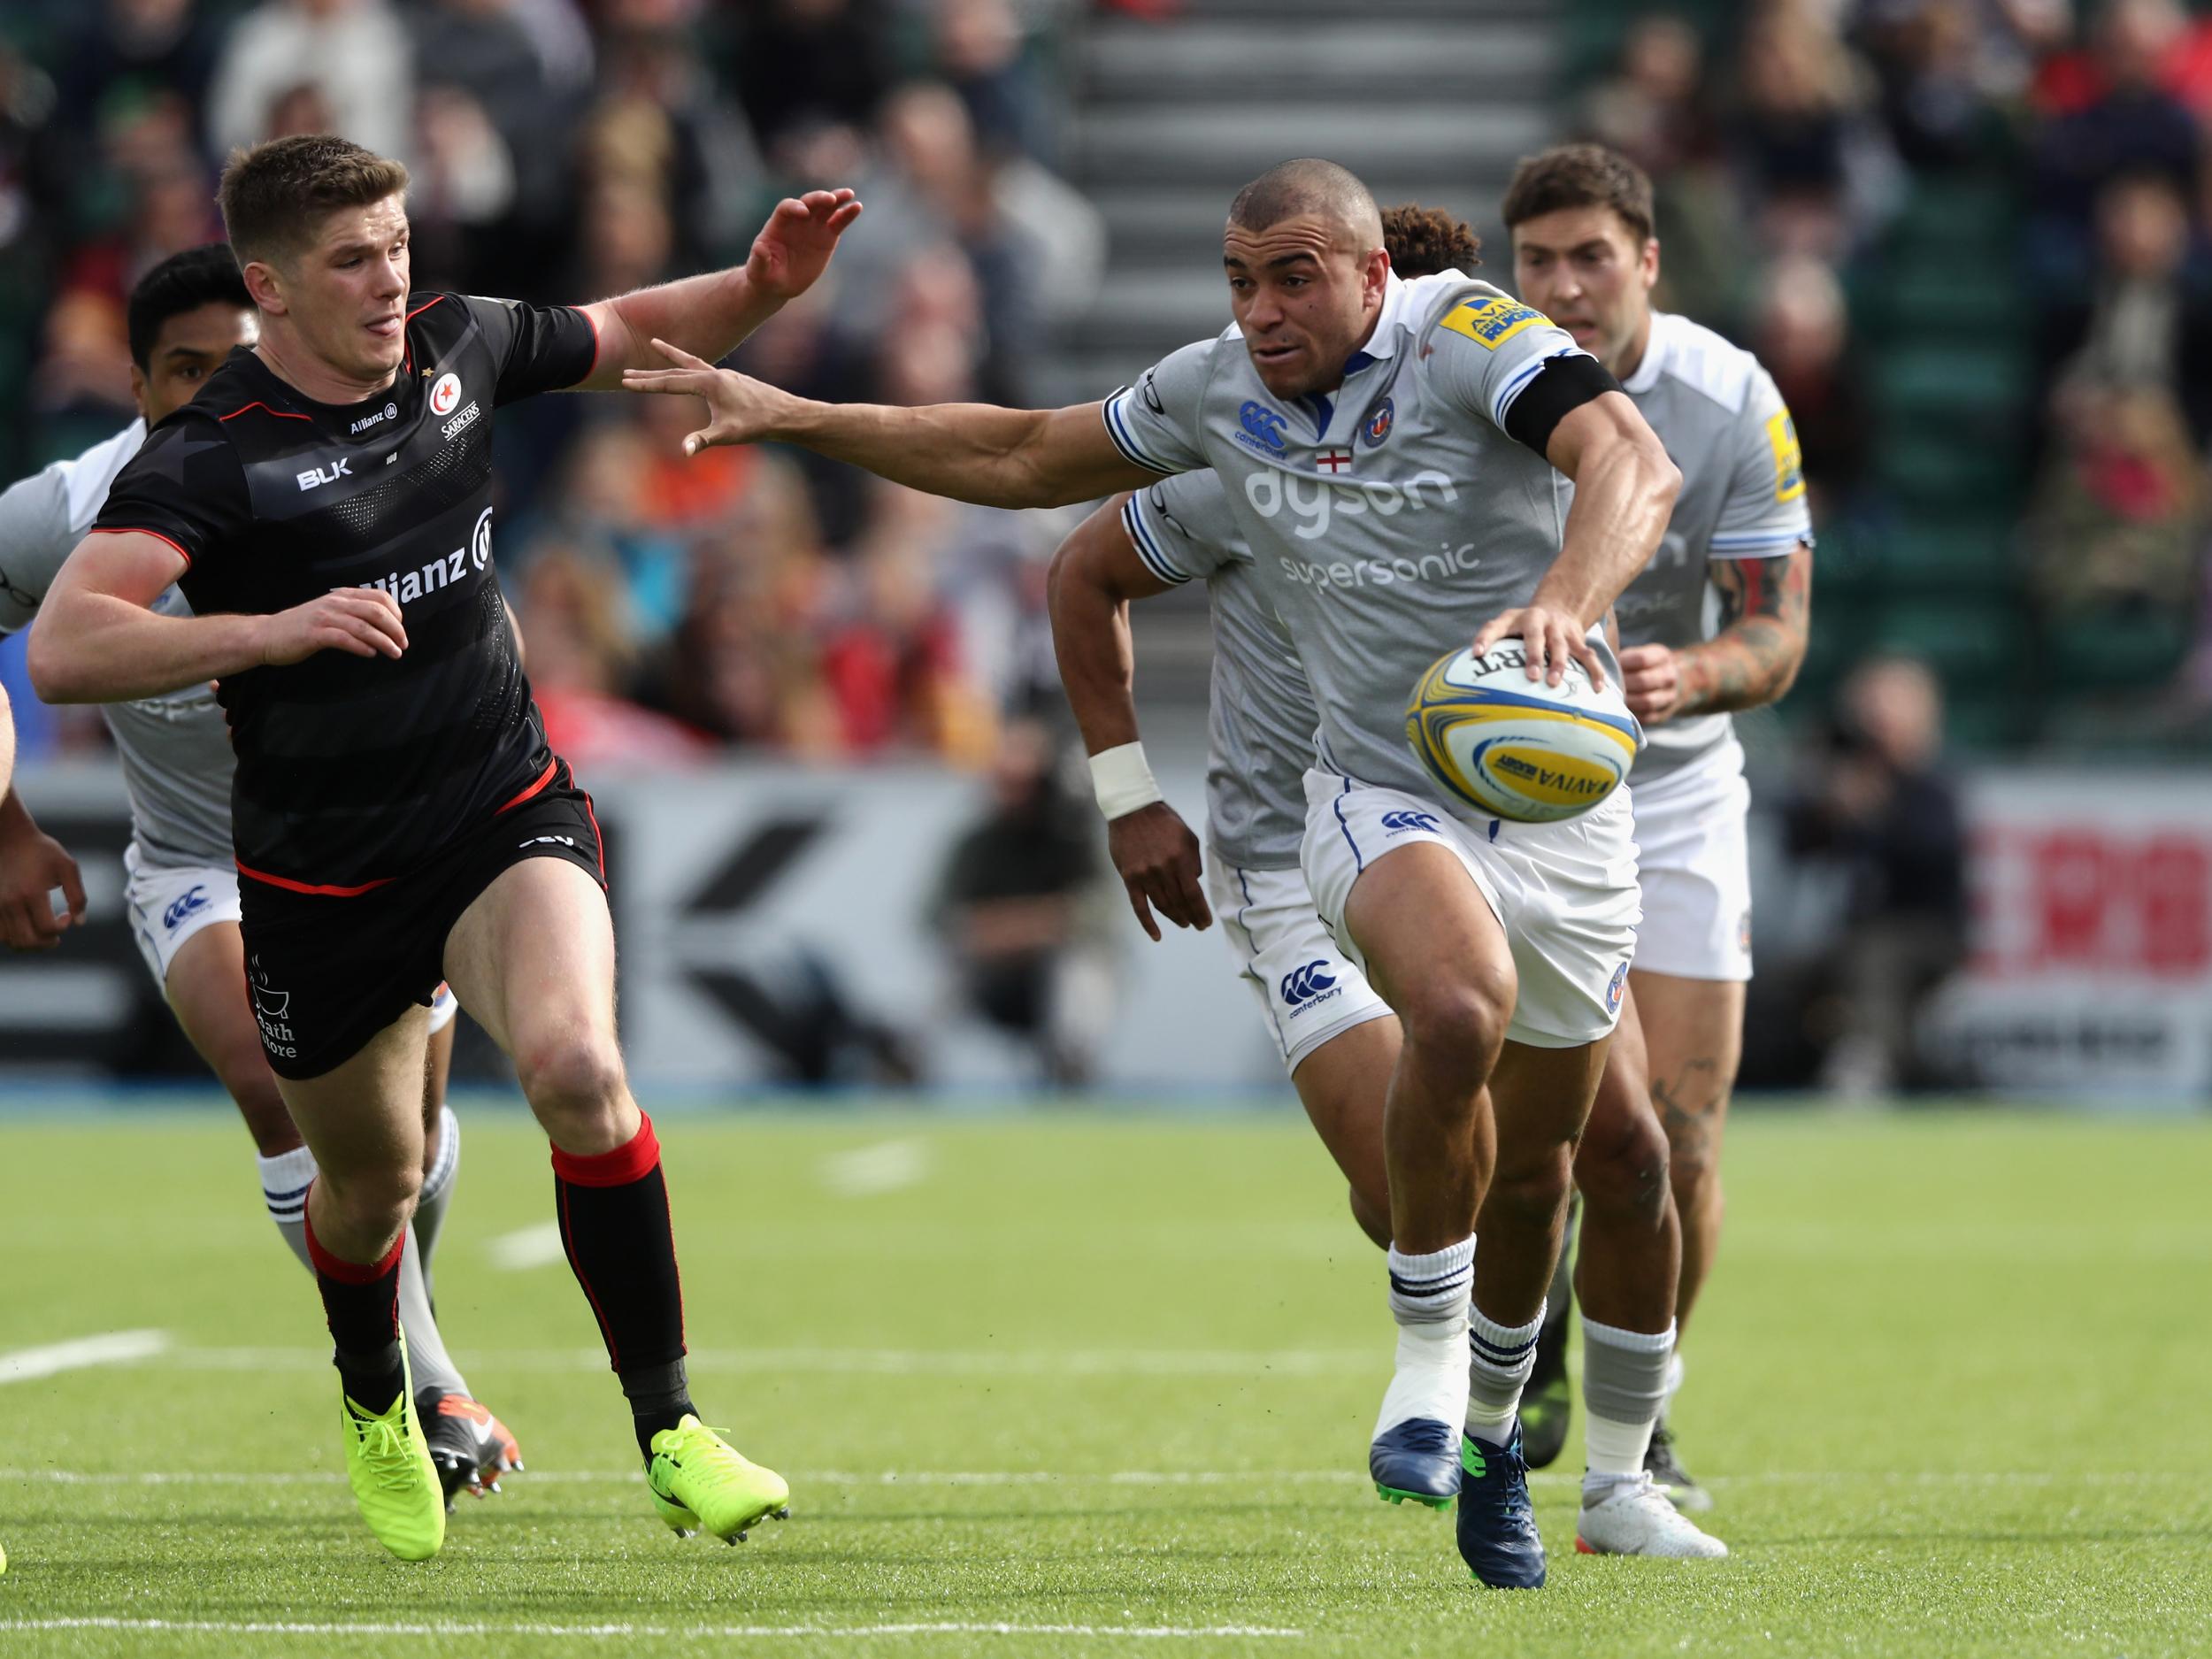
[(1993, 219), (567, 149), (1800, 130)]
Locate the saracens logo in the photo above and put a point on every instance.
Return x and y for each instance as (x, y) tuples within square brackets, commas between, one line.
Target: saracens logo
[(445, 396)]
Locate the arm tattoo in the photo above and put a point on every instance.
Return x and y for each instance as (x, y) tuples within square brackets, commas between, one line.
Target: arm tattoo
[(1765, 605)]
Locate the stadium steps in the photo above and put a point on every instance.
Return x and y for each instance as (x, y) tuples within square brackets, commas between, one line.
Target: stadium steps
[(1426, 99), (1931, 564)]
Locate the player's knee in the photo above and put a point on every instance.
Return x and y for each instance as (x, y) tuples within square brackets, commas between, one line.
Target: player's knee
[(1694, 1162), (1532, 1190), (371, 1203), (1458, 1024), (571, 1077), (1622, 1167)]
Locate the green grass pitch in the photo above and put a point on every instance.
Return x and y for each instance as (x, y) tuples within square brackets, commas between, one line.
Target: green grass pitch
[(1101, 1385)]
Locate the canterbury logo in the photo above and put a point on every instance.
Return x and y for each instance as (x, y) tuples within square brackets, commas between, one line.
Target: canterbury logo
[(1400, 822), (1302, 984)]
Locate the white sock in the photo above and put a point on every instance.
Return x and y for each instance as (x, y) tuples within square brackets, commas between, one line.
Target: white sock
[(1624, 1378), (1499, 1360), (426, 1358), (285, 1179), (437, 1187), (1674, 1379), (1427, 1289), (1428, 1298)]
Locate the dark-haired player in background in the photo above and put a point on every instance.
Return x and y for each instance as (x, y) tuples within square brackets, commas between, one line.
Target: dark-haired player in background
[(398, 817), (185, 317), (1716, 622)]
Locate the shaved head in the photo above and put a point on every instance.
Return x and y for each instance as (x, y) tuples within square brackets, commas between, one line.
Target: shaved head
[(1308, 186)]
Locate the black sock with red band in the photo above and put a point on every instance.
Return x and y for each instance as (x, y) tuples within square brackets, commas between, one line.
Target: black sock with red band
[(615, 1227), (361, 1303)]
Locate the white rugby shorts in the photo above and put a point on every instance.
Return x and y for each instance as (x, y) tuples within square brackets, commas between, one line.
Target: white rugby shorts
[(168, 905), (1565, 893), (1693, 854), (1309, 992)]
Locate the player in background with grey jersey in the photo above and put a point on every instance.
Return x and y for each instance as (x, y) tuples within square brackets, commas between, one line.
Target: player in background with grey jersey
[(1397, 455), (1716, 622), (181, 889), (1339, 1040)]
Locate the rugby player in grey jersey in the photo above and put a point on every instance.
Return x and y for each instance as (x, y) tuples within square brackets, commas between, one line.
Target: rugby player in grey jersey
[(1716, 623), (1339, 1040), (1397, 455), (185, 315)]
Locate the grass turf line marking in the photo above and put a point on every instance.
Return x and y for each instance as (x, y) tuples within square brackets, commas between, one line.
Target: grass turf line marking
[(527, 1247), (254, 1627), (886, 1167), (869, 1361), (113, 1347)]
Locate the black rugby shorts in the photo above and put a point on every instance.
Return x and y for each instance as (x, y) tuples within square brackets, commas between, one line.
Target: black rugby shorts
[(328, 973)]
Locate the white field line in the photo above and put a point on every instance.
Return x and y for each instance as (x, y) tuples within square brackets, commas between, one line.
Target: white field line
[(1930, 1479), (113, 1347), (870, 1362), (886, 1167), (527, 1247), (604, 1632)]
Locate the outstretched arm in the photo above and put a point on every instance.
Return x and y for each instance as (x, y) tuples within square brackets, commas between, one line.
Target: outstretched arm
[(1624, 490), (712, 314), (96, 641), (1766, 607), (1094, 575), (976, 452)]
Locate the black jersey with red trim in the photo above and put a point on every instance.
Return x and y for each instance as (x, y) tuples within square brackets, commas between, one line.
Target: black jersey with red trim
[(352, 770)]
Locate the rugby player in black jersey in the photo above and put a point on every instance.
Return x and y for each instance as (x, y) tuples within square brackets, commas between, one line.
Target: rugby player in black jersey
[(325, 505)]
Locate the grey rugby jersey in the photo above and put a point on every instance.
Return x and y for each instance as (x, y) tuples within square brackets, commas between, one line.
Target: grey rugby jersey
[(175, 749), (1743, 497), (1260, 716), (1388, 520)]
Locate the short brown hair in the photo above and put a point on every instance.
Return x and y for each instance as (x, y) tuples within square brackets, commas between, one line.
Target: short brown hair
[(1423, 240), (1579, 175), (274, 195)]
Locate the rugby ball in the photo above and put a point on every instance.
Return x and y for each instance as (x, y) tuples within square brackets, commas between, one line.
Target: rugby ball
[(1517, 747)]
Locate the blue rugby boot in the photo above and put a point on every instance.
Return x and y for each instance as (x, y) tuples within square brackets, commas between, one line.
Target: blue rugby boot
[(1497, 1527), (1414, 1453), (1417, 1460)]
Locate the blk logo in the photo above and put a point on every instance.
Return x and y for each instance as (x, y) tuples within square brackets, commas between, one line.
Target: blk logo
[(1302, 984), (315, 477)]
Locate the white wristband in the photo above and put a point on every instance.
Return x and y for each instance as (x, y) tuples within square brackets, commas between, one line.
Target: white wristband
[(1121, 780)]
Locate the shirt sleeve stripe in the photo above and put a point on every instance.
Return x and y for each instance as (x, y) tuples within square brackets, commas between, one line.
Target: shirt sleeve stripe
[(129, 529), (1125, 440), (1513, 388), (1147, 547)]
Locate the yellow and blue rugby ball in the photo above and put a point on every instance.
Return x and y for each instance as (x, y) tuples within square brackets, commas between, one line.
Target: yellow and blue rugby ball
[(1517, 747)]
